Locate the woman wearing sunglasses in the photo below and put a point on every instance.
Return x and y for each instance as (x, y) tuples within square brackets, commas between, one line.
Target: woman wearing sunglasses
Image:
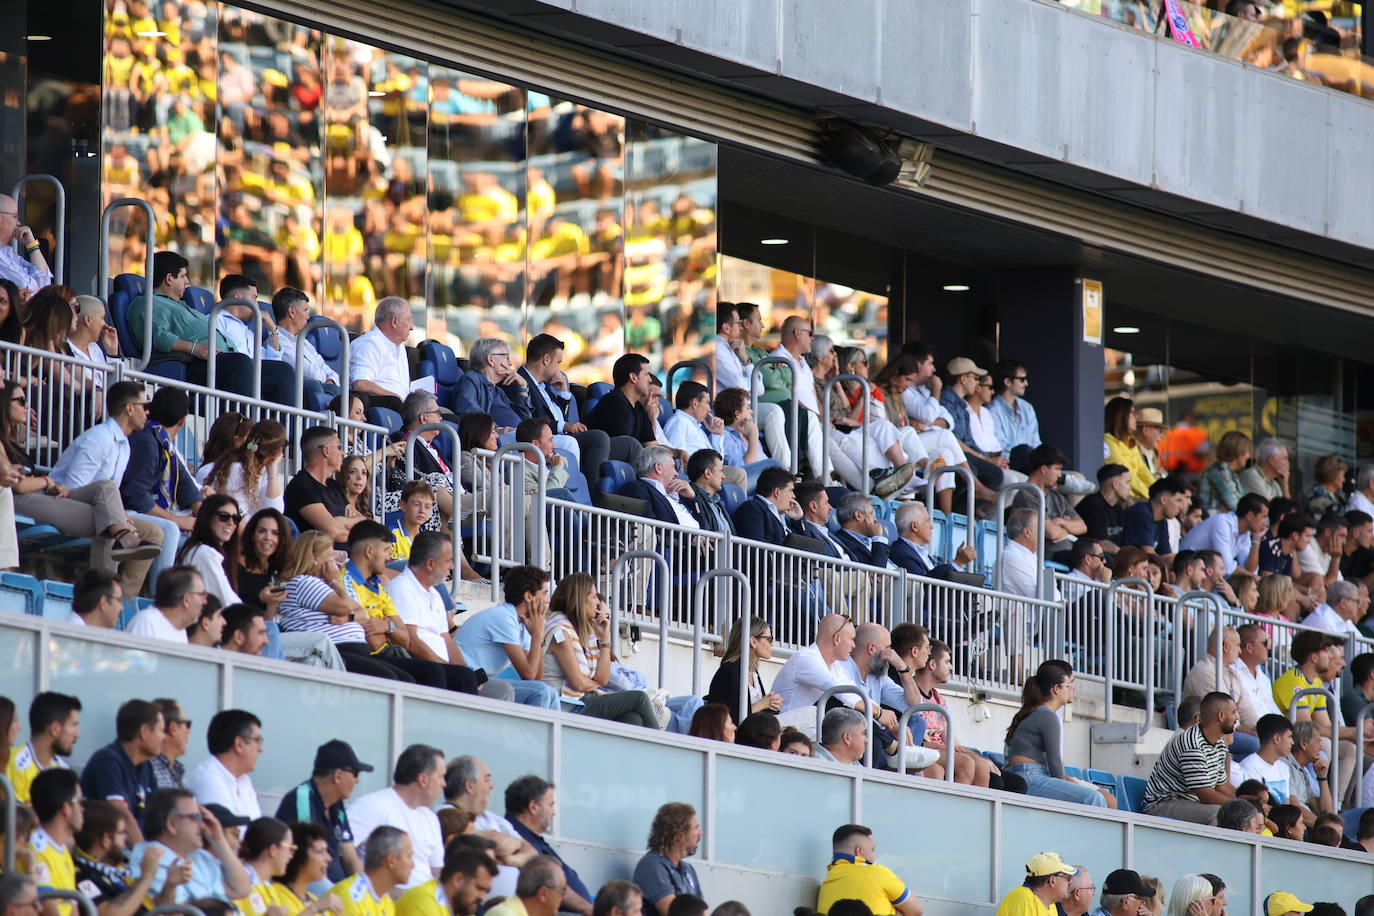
[(212, 548)]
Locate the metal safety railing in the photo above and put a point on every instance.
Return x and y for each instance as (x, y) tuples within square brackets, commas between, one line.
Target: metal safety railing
[(970, 515), (1365, 712), (869, 709), (826, 426), (455, 465), (83, 903), (66, 394), (712, 576), (756, 388), (692, 366), (1004, 496), (905, 722), (102, 283), (1109, 618), (618, 577), (60, 220), (302, 340), (497, 506)]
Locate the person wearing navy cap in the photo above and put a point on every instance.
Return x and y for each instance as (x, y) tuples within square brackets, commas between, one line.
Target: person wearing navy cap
[(320, 801)]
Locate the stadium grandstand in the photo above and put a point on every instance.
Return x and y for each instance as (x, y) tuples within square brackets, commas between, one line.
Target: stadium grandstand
[(472, 457)]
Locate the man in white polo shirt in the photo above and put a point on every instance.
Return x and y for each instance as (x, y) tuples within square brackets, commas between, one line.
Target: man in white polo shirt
[(417, 785), (234, 739), (414, 592), (377, 364), (176, 605)]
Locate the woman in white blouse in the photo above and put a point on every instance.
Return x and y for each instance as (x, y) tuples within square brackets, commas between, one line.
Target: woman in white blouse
[(213, 548), (252, 473)]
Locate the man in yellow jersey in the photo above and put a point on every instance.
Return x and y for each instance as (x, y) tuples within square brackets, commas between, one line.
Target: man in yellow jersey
[(538, 892), (54, 727), (854, 875), (386, 864), (56, 799), (462, 885), (1047, 883)]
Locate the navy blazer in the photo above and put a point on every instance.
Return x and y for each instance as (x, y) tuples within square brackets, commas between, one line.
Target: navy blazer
[(147, 463), (877, 556), (806, 529), (657, 506), (905, 556), (539, 398), (757, 522)]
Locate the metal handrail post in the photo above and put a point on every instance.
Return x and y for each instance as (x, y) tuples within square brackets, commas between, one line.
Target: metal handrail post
[(1364, 713), (81, 900), (756, 382), (1109, 649), (10, 803), (102, 283), (455, 529), (319, 321), (698, 602), (1333, 774), (618, 595), (868, 712), (825, 423), (1003, 498), (958, 470), (60, 233), (1198, 594), (905, 721), (257, 343), (690, 364), (494, 507)]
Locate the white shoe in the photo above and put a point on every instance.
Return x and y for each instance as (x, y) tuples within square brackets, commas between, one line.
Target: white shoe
[(917, 758)]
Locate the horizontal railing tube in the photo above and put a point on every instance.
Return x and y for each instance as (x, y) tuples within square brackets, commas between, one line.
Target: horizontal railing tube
[(691, 364), (82, 902)]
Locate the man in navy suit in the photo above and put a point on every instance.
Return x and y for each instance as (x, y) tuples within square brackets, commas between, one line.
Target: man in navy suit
[(551, 397), (912, 551), (815, 505), (763, 517), (861, 534), (667, 495)]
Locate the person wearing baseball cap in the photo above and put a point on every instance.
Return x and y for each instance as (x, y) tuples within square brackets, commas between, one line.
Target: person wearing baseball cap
[(1047, 883), (1124, 894), (961, 398), (320, 801), (1282, 903)]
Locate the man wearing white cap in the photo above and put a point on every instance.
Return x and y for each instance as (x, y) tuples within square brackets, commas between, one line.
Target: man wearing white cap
[(1047, 883)]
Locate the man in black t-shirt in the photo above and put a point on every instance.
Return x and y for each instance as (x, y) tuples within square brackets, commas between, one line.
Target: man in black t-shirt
[(1104, 511), (314, 499)]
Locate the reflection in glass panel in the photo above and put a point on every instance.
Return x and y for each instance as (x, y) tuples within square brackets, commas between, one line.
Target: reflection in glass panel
[(509, 746), (958, 866), (670, 245), (17, 653), (1098, 845), (779, 294), (1312, 879), (269, 137), (476, 169), (797, 835), (159, 112), (1169, 855), (576, 174)]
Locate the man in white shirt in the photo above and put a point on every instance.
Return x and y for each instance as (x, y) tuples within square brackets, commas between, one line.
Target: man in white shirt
[(417, 785), (1363, 497), (26, 268), (1337, 614), (176, 605), (468, 786), (735, 370), (794, 344), (291, 309), (1269, 766), (1234, 535), (813, 670), (1322, 556), (415, 594), (377, 363), (1254, 653), (234, 740), (1018, 555)]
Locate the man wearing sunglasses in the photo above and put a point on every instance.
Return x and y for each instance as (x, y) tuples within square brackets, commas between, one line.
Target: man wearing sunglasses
[(197, 861)]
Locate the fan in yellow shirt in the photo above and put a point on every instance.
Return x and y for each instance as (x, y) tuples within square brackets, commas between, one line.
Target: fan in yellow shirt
[(386, 865), (54, 727), (462, 885), (1047, 883), (56, 800), (853, 875), (309, 863), (266, 850)]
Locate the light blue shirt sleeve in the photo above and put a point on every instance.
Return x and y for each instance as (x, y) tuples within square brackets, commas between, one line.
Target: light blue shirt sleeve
[(91, 457)]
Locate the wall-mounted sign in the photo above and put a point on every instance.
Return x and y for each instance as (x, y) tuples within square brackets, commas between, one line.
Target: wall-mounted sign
[(1092, 312)]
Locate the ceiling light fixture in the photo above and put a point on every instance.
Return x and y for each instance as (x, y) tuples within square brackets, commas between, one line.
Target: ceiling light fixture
[(151, 33), (1126, 329), (955, 287), (377, 94), (38, 38), (773, 241)]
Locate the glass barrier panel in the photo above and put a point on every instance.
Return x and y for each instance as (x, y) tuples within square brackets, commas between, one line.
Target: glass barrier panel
[(291, 706), (105, 676), (510, 747), (958, 866), (18, 654), (797, 838), (1311, 880), (610, 787), (1170, 854), (1097, 845)]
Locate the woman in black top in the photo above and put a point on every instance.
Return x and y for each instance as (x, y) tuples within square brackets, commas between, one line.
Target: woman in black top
[(264, 548), (725, 685)]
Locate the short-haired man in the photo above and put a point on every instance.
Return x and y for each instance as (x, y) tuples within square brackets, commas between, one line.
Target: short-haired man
[(1309, 765), (1202, 678), (1309, 650), (861, 534), (1249, 667), (377, 364), (1268, 476), (551, 397), (503, 636), (1019, 564), (1234, 535), (1045, 465), (664, 872), (706, 473), (540, 890), (320, 801), (811, 671), (491, 385), (245, 630), (1189, 781), (1047, 883), (1359, 690), (1103, 512), (1147, 523), (970, 767), (97, 599), (693, 427), (1080, 897), (912, 549), (416, 597), (25, 268), (121, 772), (794, 343), (764, 516), (529, 809), (1319, 561), (388, 861), (623, 411), (234, 740), (538, 432), (100, 857), (665, 495), (168, 771), (291, 311), (1279, 551), (177, 604), (622, 898), (417, 784), (1270, 764), (1357, 564), (54, 728), (854, 874), (1337, 615), (843, 737), (1124, 894), (157, 482), (314, 499), (190, 835), (55, 797), (463, 884), (468, 786), (1087, 563)]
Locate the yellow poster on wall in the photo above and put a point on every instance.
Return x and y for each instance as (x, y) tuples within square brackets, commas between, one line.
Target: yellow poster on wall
[(1092, 312)]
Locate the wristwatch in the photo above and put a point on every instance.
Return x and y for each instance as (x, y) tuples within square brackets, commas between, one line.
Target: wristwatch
[(390, 625)]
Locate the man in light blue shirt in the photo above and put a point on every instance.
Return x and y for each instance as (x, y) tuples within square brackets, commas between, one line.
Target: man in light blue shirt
[(869, 661), (507, 640), (691, 428), (1234, 535), (188, 832), (1017, 426)]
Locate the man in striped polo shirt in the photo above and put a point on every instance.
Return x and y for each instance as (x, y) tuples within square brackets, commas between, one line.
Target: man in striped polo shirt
[(1189, 781)]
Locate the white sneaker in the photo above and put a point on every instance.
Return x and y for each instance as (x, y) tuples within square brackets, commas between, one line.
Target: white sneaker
[(917, 758)]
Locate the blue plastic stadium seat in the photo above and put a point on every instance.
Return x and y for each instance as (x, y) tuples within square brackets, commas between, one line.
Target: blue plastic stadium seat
[(616, 474), (599, 390), (57, 600), (200, 299), (732, 496), (20, 594), (939, 537), (1131, 793), (131, 607), (329, 346), (956, 534), (443, 365), (1102, 779), (386, 418), (589, 405), (1075, 772), (987, 546)]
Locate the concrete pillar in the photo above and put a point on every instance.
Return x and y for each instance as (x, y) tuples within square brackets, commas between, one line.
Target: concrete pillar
[(1040, 324)]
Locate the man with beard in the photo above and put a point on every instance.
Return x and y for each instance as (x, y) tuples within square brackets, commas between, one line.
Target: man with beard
[(663, 872), (464, 884), (871, 659), (54, 727), (1189, 781)]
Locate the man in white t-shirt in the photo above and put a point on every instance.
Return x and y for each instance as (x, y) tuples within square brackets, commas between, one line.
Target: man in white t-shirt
[(234, 739), (812, 671), (377, 364), (417, 785), (1269, 766), (1337, 614), (468, 786), (414, 592), (176, 605)]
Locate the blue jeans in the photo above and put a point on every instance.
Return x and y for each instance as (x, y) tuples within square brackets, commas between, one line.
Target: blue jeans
[(535, 693), (1041, 784), (171, 541), (1243, 745)]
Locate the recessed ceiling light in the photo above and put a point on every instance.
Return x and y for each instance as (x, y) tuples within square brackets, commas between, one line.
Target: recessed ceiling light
[(151, 33), (1126, 329), (38, 38), (773, 241), (376, 93), (955, 287)]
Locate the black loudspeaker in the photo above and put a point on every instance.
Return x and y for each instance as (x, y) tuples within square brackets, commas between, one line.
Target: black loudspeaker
[(860, 154)]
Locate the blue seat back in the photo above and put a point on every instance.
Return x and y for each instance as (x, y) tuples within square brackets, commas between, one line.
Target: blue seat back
[(1131, 793), (1075, 772), (200, 299), (443, 365), (118, 310), (572, 464), (939, 537), (131, 607), (1102, 779), (131, 284), (987, 546), (599, 390), (577, 490), (20, 594), (956, 534), (733, 497), (616, 474), (57, 600), (386, 418), (329, 346)]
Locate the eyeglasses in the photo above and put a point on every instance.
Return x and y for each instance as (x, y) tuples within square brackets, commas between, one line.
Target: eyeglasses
[(193, 816), (1020, 378), (19, 399), (767, 638), (229, 517)]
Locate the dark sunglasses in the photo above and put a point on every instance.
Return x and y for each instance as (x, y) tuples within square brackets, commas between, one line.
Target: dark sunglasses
[(229, 517)]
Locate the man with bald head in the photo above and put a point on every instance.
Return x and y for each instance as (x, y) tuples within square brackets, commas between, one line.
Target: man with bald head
[(27, 268), (793, 346), (812, 671), (869, 661)]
